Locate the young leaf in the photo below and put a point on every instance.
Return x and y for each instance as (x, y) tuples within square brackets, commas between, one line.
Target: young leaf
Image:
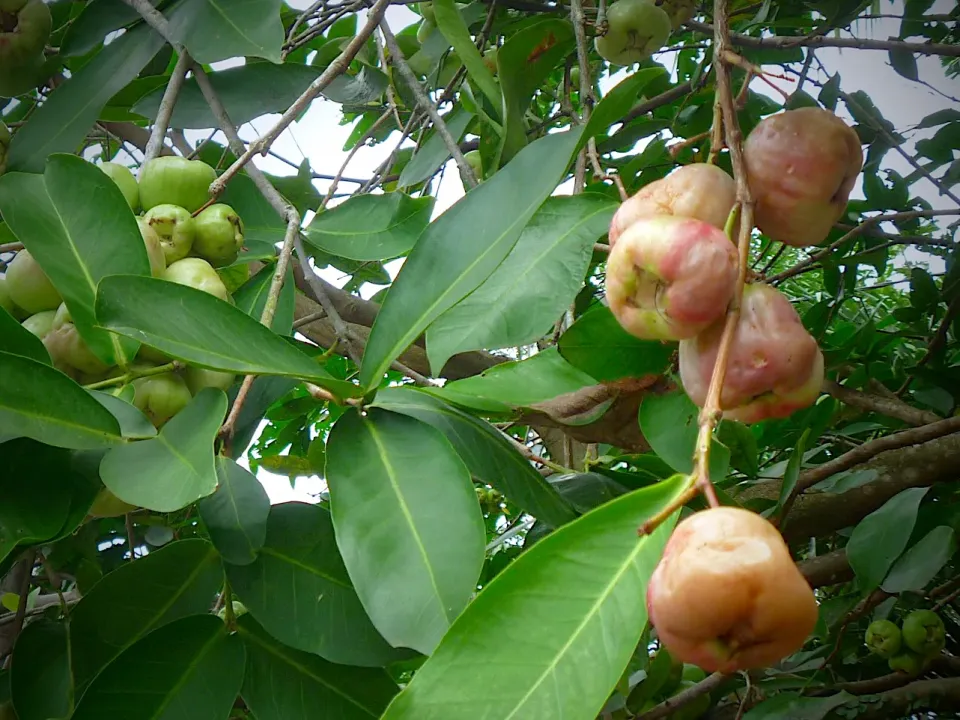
[(438, 273), (40, 682), (488, 455), (173, 582), (209, 332), (565, 595), (236, 514), (532, 287), (407, 523), (281, 683), (299, 591), (457, 33), (174, 469), (879, 539), (194, 663)]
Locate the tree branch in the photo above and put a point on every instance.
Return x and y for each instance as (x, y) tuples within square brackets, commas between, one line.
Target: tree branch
[(891, 407)]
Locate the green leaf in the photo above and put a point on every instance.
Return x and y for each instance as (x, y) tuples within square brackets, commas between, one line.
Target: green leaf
[(619, 100), (174, 469), (488, 455), (921, 563), (669, 423), (95, 21), (517, 384), (214, 30), (924, 294), (17, 340), (192, 667), (455, 30), (523, 64), (433, 152), (208, 333), (830, 92), (564, 596), (792, 474), (42, 403), (251, 297), (281, 683), (40, 682), (904, 62), (940, 117), (879, 539), (532, 287), (407, 523), (236, 514), (598, 345), (62, 121), (178, 580), (438, 273), (797, 707), (299, 591), (371, 227), (262, 227), (134, 425), (77, 238)]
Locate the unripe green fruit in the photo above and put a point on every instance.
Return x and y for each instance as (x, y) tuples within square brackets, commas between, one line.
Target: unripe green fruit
[(61, 317), (425, 31), (426, 12), (25, 27), (199, 378), (490, 60), (173, 180), (238, 609), (907, 662), (176, 229), (883, 638), (636, 30), (199, 274), (679, 11), (125, 181), (160, 397), (692, 673), (40, 324), (6, 302), (67, 347), (5, 138), (219, 235), (106, 505), (475, 162), (924, 633), (158, 261), (29, 286)]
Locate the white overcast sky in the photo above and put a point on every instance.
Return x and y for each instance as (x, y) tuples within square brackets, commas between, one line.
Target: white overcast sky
[(320, 137)]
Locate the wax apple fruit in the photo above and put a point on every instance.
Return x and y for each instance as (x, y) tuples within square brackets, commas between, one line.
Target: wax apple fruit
[(775, 366), (173, 180), (199, 378), (6, 302), (176, 229), (727, 596), (160, 397), (29, 286), (41, 323), (670, 277), (67, 347), (125, 180), (636, 30), (199, 274), (698, 190), (474, 161), (219, 235), (801, 166), (25, 27), (923, 632), (679, 11), (906, 662), (158, 261), (883, 637)]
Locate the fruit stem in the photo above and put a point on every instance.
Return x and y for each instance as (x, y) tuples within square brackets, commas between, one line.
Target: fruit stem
[(134, 374), (687, 493)]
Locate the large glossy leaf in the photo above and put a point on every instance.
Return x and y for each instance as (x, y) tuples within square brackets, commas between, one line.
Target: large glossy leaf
[(64, 118), (40, 683), (488, 455), (460, 249), (532, 287), (455, 30), (215, 30), (371, 227), (281, 683), (134, 425), (178, 580), (517, 384), (597, 344), (262, 227), (95, 21), (17, 340), (298, 589), (407, 523), (236, 514), (42, 403), (191, 668), (669, 424), (433, 152), (251, 297), (174, 469), (618, 101), (880, 538), (277, 87), (577, 599), (209, 332), (78, 238), (921, 563)]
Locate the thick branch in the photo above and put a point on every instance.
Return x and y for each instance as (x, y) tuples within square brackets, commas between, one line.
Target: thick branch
[(891, 407)]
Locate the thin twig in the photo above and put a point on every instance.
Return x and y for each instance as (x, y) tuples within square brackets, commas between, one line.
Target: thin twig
[(938, 341), (131, 536), (24, 593), (167, 104), (353, 151), (669, 706)]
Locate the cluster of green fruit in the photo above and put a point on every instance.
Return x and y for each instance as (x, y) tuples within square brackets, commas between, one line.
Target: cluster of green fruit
[(638, 28), (910, 647), (25, 27), (182, 248)]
